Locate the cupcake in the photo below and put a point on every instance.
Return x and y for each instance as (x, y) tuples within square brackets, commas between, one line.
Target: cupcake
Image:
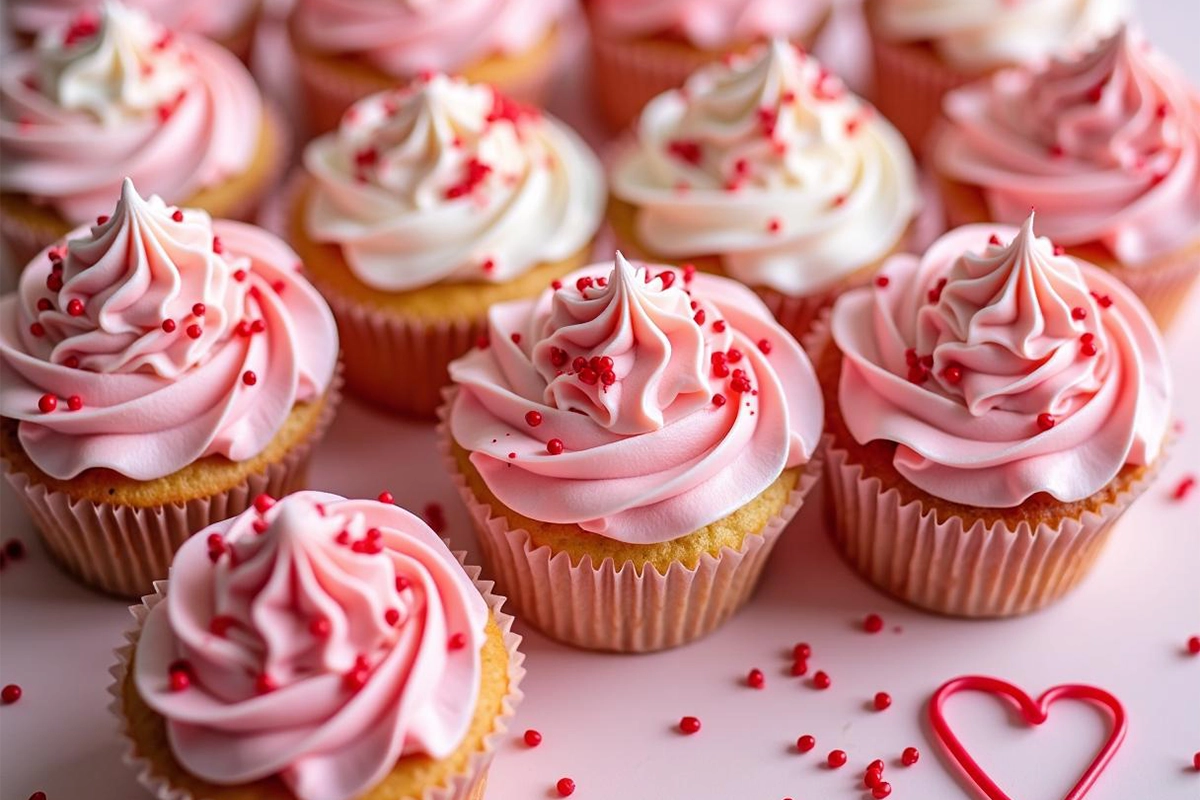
[(231, 23), (994, 408), (765, 169), (427, 205), (348, 49), (158, 370), (630, 447), (117, 95), (642, 48), (924, 48), (1106, 146), (317, 648)]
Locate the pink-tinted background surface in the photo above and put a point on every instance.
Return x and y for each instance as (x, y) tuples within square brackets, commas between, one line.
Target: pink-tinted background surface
[(609, 722)]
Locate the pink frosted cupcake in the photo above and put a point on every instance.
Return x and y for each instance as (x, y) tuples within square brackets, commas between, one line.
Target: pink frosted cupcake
[(230, 23), (766, 169), (317, 648), (118, 95), (994, 408), (1106, 146), (348, 49), (924, 48), (642, 48), (630, 447), (158, 370)]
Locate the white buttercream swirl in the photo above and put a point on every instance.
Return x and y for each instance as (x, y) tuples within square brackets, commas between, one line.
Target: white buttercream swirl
[(449, 181), (768, 162)]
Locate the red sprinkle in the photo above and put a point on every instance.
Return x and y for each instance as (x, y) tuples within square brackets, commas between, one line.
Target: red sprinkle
[(177, 216), (75, 308), (719, 326), (194, 331), (386, 497), (756, 679), (953, 375), (565, 787), (1184, 487), (1196, 761), (220, 625), (882, 281), (516, 338), (802, 650), (168, 325), (881, 791), (319, 627), (689, 725), (10, 694), (800, 667), (180, 679), (38, 796), (806, 743), (821, 680), (74, 402), (1078, 312), (718, 400), (249, 378), (457, 642), (532, 738), (47, 403), (685, 150), (882, 701), (1045, 421), (37, 329), (873, 623), (836, 758), (1193, 645), (910, 756), (392, 617), (555, 447), (774, 225)]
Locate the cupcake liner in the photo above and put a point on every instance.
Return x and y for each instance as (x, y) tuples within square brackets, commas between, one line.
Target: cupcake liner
[(947, 566), (24, 239), (610, 607), (330, 87), (469, 784), (909, 84), (121, 550), (1164, 285)]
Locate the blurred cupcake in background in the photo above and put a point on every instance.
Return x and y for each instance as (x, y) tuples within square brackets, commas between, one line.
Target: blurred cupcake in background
[(994, 407), (115, 94), (766, 169), (631, 446), (924, 48), (642, 48), (1106, 147), (158, 371), (427, 205), (230, 23), (348, 49), (317, 648)]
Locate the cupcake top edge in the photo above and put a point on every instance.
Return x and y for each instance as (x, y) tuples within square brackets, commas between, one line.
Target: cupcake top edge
[(766, 161), (708, 24), (156, 337), (1002, 367), (636, 401), (316, 639), (449, 181)]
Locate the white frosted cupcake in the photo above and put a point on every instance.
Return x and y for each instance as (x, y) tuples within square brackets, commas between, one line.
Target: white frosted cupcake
[(766, 169)]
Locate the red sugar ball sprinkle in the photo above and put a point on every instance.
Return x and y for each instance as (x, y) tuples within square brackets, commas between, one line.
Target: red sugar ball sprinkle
[(198, 310), (836, 759), (802, 650), (75, 307), (457, 642), (718, 400), (689, 725), (516, 338), (218, 248), (565, 787), (180, 680), (54, 281), (44, 304), (764, 346), (734, 355), (872, 778), (800, 667), (699, 317), (168, 325), (402, 583), (47, 403), (554, 447), (249, 378), (38, 796), (386, 497), (953, 375), (821, 680), (263, 503), (1088, 348), (1193, 645), (882, 701), (10, 694), (356, 678), (37, 329), (74, 402), (220, 625), (194, 331), (532, 738), (806, 743), (719, 326), (1045, 421), (755, 679), (873, 623), (71, 362), (177, 215), (533, 418), (588, 375), (882, 281), (392, 617), (319, 627), (103, 218), (910, 756), (1078, 312), (1196, 761), (881, 791), (1184, 487)]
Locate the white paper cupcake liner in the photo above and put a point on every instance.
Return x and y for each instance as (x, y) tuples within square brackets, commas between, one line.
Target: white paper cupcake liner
[(122, 550), (614, 607), (469, 784)]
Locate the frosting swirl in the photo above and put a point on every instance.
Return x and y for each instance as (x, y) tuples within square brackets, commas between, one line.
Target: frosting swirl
[(1002, 370), (342, 637), (216, 20), (979, 35), (117, 95), (709, 24), (451, 181), (667, 400), (767, 161), (405, 37), (178, 337), (1106, 146)]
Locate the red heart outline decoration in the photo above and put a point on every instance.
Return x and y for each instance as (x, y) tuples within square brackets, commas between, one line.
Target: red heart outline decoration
[(1034, 712)]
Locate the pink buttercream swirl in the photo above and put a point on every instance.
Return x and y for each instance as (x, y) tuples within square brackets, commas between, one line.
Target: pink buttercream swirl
[(218, 19), (405, 37), (153, 319), (1106, 146), (322, 640), (1002, 369), (667, 399), (709, 24), (116, 95)]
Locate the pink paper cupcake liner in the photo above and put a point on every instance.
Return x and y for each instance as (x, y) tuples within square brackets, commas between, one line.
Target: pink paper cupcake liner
[(122, 550), (1164, 285), (467, 785), (909, 84), (616, 608)]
